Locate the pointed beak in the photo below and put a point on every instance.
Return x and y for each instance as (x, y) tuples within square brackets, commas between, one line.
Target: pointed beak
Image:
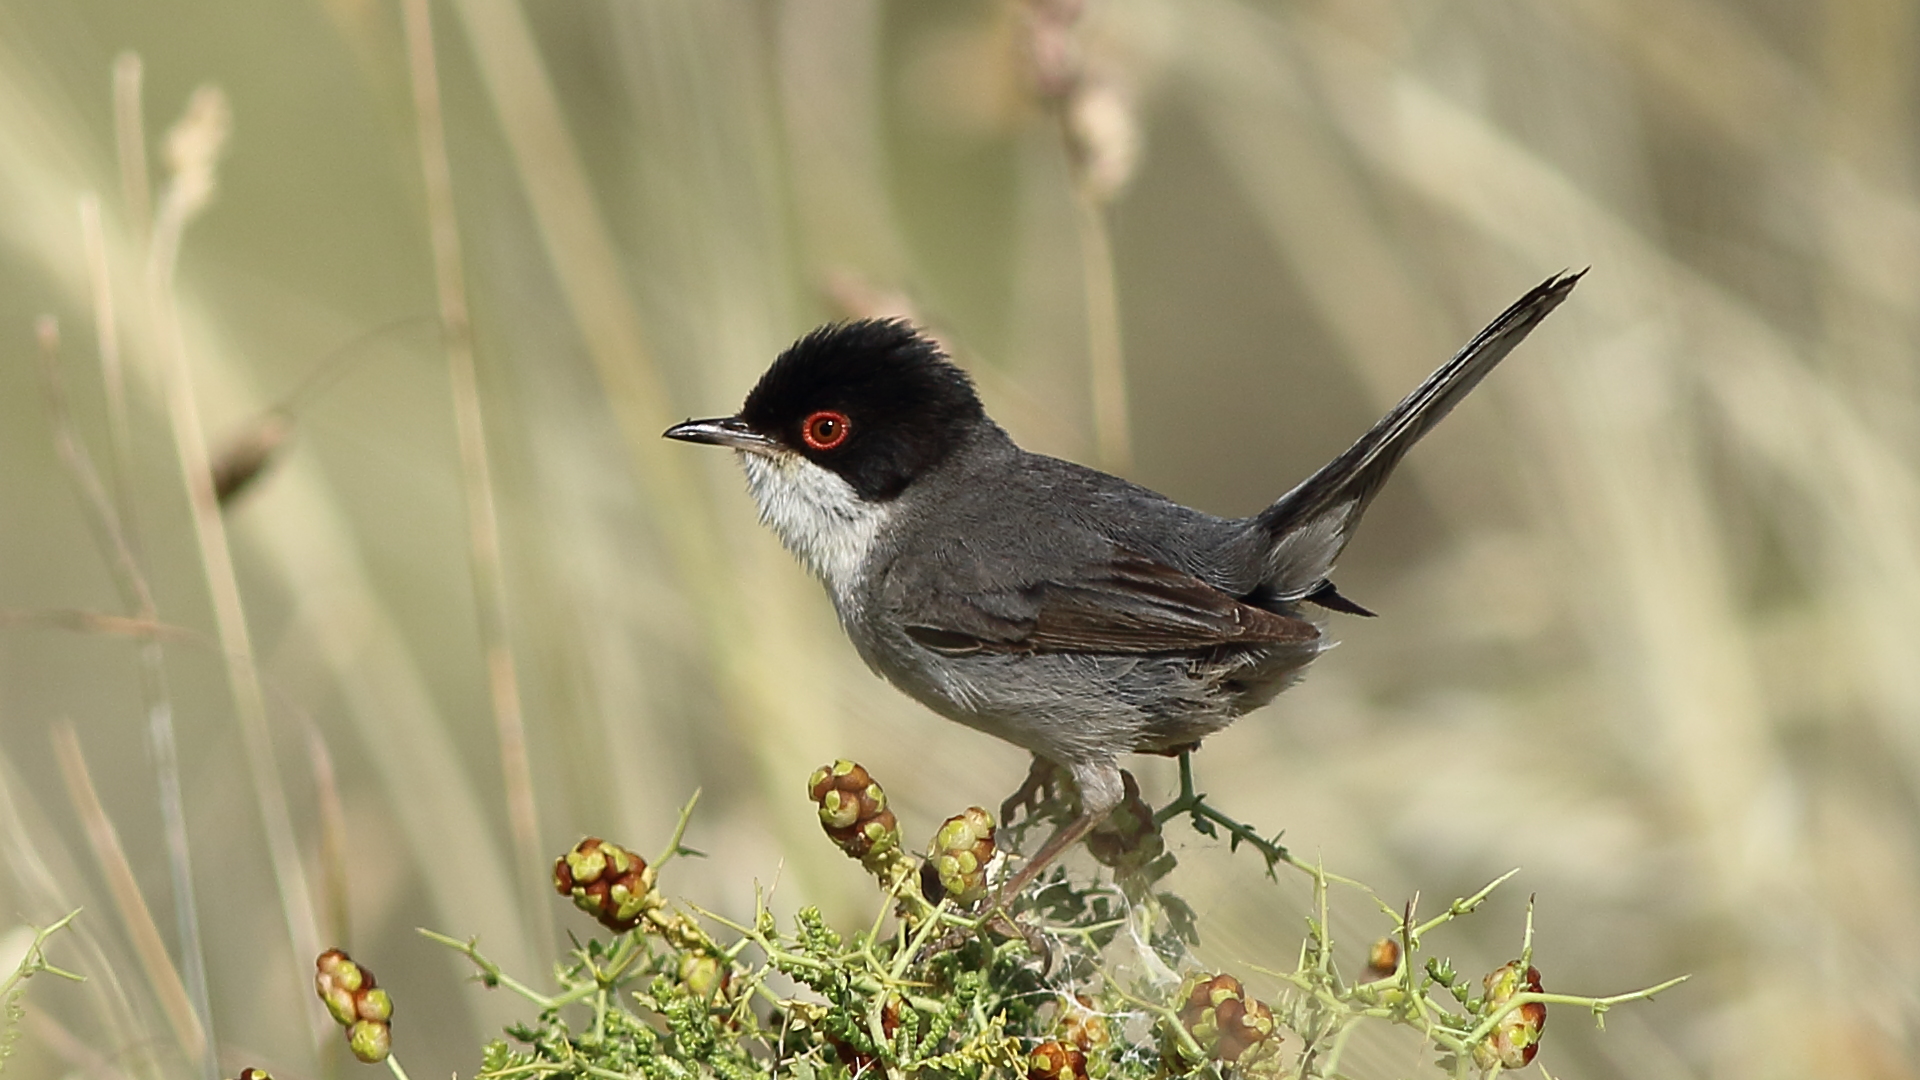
[(729, 431)]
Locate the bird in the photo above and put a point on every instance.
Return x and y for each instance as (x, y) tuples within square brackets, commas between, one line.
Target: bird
[(1072, 613)]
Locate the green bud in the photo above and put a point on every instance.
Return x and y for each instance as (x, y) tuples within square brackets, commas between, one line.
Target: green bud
[(370, 1040)]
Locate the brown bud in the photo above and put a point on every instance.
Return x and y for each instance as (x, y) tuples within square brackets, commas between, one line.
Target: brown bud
[(607, 882), (853, 811), (960, 852), (373, 1004), (1516, 1038), (355, 1003), (1081, 1024), (335, 980), (1053, 1060), (1226, 1023), (1383, 958)]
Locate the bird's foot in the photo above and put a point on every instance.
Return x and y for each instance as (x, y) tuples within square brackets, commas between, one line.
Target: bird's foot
[(1037, 790)]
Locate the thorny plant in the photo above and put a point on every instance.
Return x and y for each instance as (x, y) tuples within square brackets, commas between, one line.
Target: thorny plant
[(14, 989), (1078, 979)]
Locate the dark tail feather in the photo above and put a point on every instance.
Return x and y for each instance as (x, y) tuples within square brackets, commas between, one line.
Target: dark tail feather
[(1310, 524)]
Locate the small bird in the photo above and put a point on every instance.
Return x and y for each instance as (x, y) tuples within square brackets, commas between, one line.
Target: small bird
[(1069, 612)]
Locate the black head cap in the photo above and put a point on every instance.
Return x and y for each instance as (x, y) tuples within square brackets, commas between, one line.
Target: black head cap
[(903, 404)]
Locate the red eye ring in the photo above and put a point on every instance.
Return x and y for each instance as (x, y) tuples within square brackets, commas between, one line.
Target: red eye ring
[(825, 429)]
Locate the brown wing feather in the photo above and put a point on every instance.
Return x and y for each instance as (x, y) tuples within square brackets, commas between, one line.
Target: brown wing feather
[(1132, 605)]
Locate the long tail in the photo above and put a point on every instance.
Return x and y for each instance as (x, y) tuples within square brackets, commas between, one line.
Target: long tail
[(1311, 524)]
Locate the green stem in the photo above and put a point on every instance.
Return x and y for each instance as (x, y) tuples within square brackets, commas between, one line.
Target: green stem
[(679, 831), (1084, 933), (491, 973), (624, 954), (1192, 803), (774, 954), (1170, 1020), (35, 960), (1463, 906), (1595, 1005), (919, 941)]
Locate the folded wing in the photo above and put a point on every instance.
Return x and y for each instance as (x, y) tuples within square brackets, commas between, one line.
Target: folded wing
[(1126, 604)]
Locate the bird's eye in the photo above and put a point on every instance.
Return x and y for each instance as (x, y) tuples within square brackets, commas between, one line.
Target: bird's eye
[(825, 429)]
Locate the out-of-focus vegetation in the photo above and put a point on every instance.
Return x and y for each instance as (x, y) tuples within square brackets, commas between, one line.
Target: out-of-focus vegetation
[(1650, 601)]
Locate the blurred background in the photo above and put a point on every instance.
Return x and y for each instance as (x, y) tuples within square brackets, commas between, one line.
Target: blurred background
[(1650, 600)]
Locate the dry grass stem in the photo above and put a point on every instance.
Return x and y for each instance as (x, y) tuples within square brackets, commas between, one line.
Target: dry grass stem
[(483, 520), (1095, 120), (193, 148), (95, 622), (117, 532), (48, 879), (101, 516), (575, 235), (80, 1057), (162, 977), (130, 139), (335, 878), (1112, 436), (753, 651), (113, 374)]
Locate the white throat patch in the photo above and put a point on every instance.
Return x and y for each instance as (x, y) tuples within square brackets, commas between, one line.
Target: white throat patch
[(817, 515)]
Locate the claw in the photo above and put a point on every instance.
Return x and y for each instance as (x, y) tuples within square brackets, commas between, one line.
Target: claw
[(1034, 792)]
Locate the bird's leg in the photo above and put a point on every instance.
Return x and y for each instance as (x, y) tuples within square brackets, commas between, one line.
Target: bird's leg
[(1101, 789), (1062, 838), (1035, 791)]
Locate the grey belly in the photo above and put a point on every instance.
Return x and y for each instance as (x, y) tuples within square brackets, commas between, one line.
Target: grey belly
[(1076, 707)]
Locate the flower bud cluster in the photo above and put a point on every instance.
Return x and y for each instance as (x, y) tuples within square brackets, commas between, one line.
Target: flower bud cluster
[(853, 811), (355, 1003), (1055, 1060), (1228, 1025), (607, 882), (1080, 1024), (961, 850), (1076, 1050), (1515, 1039)]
